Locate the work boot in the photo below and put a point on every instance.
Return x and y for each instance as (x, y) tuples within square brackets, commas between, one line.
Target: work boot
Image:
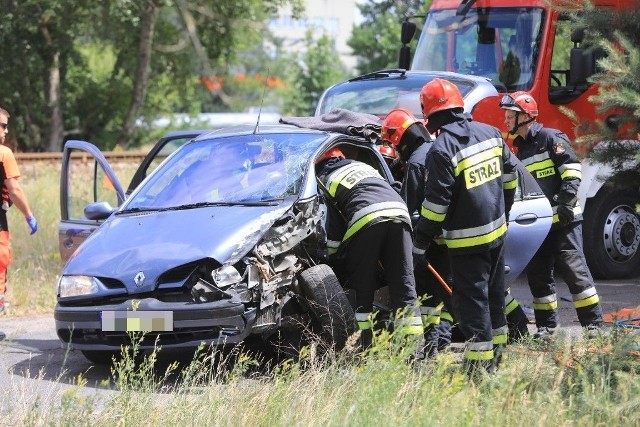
[(545, 333), (592, 331)]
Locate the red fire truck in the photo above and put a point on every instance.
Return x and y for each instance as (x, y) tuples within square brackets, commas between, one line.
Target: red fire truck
[(527, 45)]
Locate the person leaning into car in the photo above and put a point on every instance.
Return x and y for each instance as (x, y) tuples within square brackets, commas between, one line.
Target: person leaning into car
[(547, 154), (368, 223), (12, 194)]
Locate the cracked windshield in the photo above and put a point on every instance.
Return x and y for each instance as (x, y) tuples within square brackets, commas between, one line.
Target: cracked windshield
[(238, 169)]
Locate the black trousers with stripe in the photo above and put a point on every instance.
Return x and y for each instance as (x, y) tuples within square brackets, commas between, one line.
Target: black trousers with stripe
[(478, 296), (562, 250), (389, 243)]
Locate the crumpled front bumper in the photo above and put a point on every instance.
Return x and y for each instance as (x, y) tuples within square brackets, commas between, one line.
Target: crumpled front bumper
[(214, 323)]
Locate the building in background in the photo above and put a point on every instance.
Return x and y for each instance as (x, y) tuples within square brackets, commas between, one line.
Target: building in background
[(335, 18)]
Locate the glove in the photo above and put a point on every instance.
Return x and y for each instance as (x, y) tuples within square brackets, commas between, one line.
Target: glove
[(397, 185), (33, 224), (565, 214)]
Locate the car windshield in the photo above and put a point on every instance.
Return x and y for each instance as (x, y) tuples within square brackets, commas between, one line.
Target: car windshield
[(239, 169), (499, 43), (378, 95)]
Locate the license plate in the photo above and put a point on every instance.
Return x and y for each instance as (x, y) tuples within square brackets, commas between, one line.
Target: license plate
[(137, 321)]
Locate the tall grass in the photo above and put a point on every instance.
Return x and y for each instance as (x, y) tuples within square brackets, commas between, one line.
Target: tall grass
[(33, 274), (569, 384)]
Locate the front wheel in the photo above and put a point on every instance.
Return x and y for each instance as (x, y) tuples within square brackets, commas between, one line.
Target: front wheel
[(611, 232), (333, 317)]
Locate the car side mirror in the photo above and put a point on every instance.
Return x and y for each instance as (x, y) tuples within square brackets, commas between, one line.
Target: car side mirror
[(98, 211)]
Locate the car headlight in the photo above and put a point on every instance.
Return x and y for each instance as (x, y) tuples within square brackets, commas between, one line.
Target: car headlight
[(71, 286), (225, 276)]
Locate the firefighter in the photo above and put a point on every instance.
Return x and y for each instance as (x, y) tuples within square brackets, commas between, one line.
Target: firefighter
[(469, 189), (547, 154), (368, 223), (411, 138), (403, 131)]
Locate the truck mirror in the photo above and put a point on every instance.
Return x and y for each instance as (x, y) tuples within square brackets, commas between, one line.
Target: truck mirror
[(581, 66), (577, 35), (404, 61), (407, 32)]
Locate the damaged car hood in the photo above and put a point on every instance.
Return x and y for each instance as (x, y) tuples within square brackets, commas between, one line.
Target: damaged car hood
[(155, 242)]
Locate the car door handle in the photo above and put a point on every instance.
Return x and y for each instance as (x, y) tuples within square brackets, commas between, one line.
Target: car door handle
[(525, 219)]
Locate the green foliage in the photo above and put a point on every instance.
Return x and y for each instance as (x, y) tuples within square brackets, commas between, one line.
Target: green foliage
[(376, 42), (93, 47), (617, 35), (310, 74)]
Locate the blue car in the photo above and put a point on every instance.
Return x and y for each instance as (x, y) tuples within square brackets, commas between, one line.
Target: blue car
[(222, 242)]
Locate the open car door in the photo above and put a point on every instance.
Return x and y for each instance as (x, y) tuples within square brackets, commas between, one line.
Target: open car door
[(88, 186)]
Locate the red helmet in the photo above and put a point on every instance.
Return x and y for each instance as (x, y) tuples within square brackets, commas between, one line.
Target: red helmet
[(388, 152), (438, 95), (521, 102), (333, 152), (394, 125)]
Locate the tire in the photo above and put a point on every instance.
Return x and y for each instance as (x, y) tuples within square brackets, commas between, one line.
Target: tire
[(101, 357), (333, 318), (611, 232)]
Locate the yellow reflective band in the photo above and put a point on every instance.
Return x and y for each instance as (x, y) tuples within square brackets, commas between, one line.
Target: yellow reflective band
[(555, 218), (545, 306), (396, 212), (445, 315), (570, 173), (430, 320), (475, 159), (478, 355), (407, 123), (439, 241), (500, 339), (510, 185), (478, 240), (332, 251), (431, 215), (348, 176), (364, 325), (511, 306), (586, 302)]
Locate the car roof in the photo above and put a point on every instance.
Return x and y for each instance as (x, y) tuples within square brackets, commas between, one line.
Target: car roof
[(380, 91), (261, 130)]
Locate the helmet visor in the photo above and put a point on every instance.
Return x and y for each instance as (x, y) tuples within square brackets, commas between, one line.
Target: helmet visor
[(508, 102)]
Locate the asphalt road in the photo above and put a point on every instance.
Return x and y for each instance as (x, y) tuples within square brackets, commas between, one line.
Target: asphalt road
[(32, 357)]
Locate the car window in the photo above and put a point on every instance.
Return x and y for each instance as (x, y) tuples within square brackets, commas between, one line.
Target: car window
[(235, 169), (164, 152), (82, 190), (381, 96)]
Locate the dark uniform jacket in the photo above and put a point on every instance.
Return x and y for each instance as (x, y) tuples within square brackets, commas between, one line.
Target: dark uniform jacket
[(470, 185), (547, 154), (360, 197), (412, 190)]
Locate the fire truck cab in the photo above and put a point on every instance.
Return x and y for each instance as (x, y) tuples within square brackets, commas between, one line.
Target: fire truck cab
[(529, 46)]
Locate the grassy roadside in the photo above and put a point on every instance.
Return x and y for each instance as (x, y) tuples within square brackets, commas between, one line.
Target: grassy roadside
[(594, 383)]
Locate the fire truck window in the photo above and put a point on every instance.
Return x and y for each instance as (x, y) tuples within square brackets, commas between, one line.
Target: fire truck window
[(559, 75)]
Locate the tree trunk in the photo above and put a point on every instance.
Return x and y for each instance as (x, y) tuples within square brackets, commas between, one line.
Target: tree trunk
[(149, 17), (52, 85)]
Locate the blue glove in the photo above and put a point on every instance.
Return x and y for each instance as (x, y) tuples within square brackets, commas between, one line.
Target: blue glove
[(33, 224)]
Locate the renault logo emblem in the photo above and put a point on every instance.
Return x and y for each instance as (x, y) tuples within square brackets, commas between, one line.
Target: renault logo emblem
[(139, 279)]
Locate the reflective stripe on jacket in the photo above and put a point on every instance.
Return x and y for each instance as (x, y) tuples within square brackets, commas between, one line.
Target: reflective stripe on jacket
[(547, 154), (360, 197), (471, 181)]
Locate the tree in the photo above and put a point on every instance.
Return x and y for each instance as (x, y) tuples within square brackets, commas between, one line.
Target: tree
[(83, 68), (617, 34), (376, 41), (310, 74)]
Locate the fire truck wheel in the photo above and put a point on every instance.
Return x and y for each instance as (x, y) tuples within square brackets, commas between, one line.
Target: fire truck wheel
[(611, 232)]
